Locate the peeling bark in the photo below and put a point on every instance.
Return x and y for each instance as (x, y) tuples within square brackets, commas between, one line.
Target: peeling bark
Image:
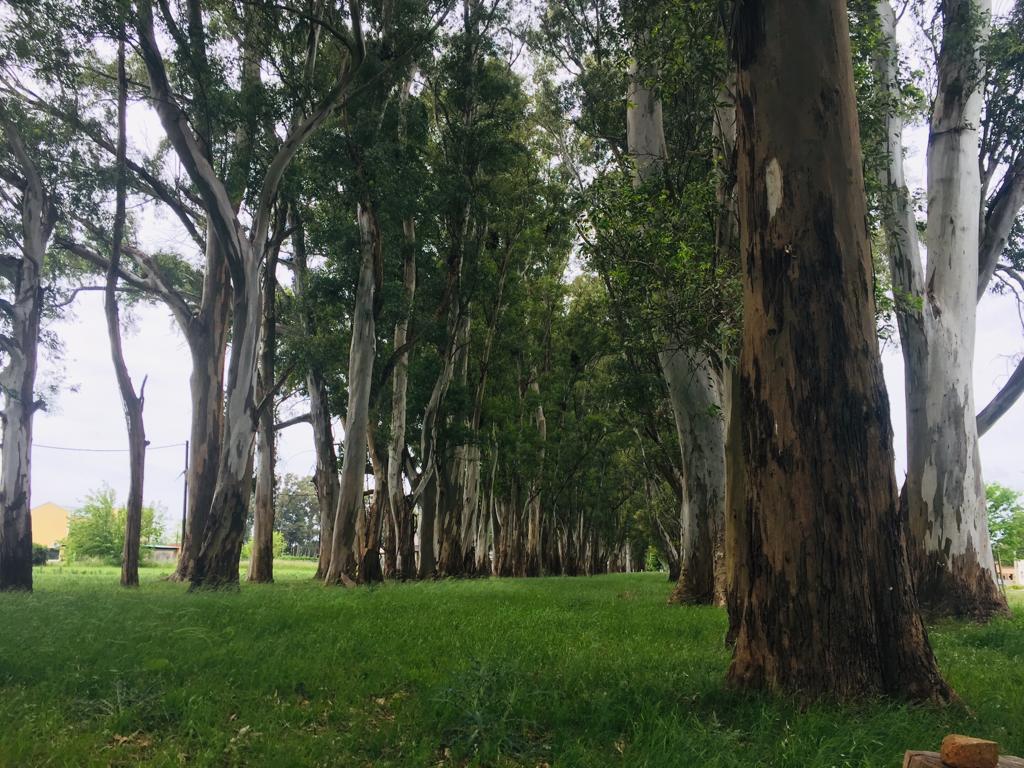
[(18, 375), (692, 388), (944, 495), (326, 474), (261, 563), (360, 373), (823, 543)]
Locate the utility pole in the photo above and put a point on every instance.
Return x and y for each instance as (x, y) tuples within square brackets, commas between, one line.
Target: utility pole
[(184, 501)]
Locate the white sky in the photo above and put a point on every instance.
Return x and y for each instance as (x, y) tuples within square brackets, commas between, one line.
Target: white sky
[(90, 415)]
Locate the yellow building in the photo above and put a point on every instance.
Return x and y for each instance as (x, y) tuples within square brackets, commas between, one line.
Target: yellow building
[(49, 524)]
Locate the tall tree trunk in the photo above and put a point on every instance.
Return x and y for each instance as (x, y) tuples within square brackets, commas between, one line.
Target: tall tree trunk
[(132, 403), (432, 476), (360, 374), (452, 481), (949, 547), (533, 530), (18, 376), (328, 487), (401, 511), (696, 403), (826, 546), (207, 335), (692, 387), (217, 563), (370, 570), (427, 566), (261, 564), (737, 539), (326, 474)]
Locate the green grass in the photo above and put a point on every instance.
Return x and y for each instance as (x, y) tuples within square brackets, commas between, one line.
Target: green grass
[(563, 672)]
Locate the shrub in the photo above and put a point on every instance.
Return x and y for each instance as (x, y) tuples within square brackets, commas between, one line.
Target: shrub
[(278, 546), (40, 554), (97, 529)]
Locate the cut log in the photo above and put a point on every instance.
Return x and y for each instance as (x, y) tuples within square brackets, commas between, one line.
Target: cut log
[(968, 752), (918, 759)]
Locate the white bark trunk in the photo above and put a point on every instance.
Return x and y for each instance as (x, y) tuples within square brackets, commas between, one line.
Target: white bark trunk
[(691, 381), (950, 551), (360, 374), (401, 515), (17, 378), (695, 394)]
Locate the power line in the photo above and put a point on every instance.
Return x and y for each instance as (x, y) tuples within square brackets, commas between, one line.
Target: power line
[(103, 450)]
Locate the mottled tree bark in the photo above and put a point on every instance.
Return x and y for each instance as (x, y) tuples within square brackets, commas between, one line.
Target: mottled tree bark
[(401, 511), (206, 333), (18, 376), (692, 387), (696, 404), (427, 566), (261, 564), (950, 552), (825, 545), (325, 476), (370, 570), (360, 374)]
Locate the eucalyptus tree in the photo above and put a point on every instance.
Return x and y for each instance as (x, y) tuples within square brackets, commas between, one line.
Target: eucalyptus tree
[(975, 191), (650, 229), (692, 372), (825, 544), (322, 89), (26, 192), (46, 172), (307, 347), (132, 402)]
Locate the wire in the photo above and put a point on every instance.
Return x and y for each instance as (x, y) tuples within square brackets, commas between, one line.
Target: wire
[(104, 450)]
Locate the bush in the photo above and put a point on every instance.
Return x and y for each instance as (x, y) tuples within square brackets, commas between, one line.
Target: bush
[(278, 546), (97, 529), (40, 554)]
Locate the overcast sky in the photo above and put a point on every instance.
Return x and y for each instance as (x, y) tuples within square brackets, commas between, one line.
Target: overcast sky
[(87, 413)]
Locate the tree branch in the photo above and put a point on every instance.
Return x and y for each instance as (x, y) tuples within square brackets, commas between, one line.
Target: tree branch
[(304, 418), (81, 289), (216, 200), (1003, 400), (151, 284), (146, 182), (1002, 212)]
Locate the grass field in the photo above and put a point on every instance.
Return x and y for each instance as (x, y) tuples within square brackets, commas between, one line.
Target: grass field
[(558, 672)]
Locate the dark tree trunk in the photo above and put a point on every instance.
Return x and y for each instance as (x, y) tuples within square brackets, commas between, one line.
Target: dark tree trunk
[(133, 404), (207, 335), (428, 515), (370, 570), (217, 563), (826, 547), (261, 565)]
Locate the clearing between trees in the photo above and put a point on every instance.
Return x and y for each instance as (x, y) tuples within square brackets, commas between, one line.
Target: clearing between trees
[(510, 672)]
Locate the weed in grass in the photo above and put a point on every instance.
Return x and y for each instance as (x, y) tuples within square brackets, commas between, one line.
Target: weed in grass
[(482, 712)]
